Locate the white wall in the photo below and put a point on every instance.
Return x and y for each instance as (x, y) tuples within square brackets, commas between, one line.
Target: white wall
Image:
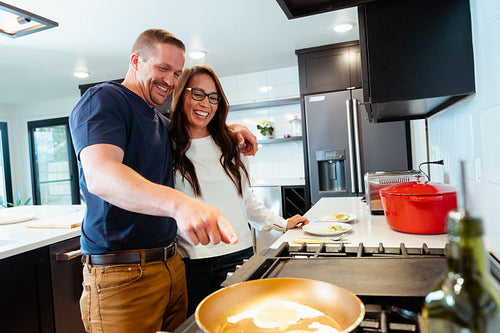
[(470, 131)]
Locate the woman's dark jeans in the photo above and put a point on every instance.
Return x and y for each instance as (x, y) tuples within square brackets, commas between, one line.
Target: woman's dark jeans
[(204, 276)]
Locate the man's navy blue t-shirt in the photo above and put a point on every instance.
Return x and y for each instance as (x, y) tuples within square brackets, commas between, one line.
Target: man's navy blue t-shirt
[(112, 114)]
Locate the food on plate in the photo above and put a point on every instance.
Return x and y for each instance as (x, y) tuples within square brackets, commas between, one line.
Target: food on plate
[(281, 316), (334, 228), (340, 217)]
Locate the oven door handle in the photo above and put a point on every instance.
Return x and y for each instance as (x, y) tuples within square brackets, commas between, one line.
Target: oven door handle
[(67, 256)]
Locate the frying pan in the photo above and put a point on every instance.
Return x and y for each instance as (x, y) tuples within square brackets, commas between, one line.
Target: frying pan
[(334, 301)]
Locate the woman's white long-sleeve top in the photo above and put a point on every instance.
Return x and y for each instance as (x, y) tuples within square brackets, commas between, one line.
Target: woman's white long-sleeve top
[(218, 190)]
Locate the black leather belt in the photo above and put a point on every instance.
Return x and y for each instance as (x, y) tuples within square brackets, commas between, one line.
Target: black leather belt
[(134, 257)]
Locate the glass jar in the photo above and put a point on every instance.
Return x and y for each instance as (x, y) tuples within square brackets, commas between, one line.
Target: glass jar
[(295, 126)]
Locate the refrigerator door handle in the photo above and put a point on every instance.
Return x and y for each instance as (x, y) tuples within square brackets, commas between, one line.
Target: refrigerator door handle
[(357, 145), (351, 148)]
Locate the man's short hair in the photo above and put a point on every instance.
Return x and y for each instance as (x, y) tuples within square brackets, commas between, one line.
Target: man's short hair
[(149, 38)]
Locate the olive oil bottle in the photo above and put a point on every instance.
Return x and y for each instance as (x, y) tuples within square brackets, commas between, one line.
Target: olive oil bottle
[(467, 300)]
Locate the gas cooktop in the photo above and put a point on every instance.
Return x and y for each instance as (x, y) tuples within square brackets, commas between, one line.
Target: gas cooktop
[(391, 281)]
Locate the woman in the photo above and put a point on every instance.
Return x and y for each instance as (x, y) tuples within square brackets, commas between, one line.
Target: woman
[(208, 166)]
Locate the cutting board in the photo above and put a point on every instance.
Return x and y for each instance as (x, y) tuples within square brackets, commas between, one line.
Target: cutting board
[(7, 217), (70, 221)]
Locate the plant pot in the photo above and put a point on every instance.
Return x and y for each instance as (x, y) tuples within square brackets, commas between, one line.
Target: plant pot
[(267, 136), (418, 207)]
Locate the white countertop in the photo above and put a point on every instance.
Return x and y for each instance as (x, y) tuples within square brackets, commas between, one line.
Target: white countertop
[(17, 238), (368, 229)]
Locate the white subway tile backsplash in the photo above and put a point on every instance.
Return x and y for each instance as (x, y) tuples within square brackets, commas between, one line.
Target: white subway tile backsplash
[(487, 54), (469, 131), (488, 11), (489, 143)]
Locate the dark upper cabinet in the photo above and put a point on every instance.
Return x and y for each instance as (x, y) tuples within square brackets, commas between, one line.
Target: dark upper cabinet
[(329, 68), (417, 56), (300, 8)]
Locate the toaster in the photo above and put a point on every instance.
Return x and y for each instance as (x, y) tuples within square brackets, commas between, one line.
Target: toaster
[(375, 181)]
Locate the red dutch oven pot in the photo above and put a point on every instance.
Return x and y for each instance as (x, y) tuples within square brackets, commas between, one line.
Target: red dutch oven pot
[(418, 207)]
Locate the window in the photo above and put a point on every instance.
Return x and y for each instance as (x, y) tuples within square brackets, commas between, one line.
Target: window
[(54, 169), (5, 175)]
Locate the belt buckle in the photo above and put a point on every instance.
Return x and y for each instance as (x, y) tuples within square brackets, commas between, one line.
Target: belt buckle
[(166, 251)]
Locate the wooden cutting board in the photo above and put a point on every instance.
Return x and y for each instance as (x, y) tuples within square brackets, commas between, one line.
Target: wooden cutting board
[(6, 217), (62, 222)]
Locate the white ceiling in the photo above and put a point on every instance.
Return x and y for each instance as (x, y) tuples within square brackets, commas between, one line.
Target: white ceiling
[(240, 36)]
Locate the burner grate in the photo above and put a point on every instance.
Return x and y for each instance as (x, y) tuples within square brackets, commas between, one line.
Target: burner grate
[(341, 250)]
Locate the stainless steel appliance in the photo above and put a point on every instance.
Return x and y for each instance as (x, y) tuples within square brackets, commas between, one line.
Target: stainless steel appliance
[(270, 196), (375, 181), (391, 281), (342, 144)]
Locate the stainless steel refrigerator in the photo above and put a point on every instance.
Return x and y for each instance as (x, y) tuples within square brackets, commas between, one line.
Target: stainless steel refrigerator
[(342, 145)]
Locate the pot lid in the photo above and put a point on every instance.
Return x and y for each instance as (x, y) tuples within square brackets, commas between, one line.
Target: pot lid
[(418, 188)]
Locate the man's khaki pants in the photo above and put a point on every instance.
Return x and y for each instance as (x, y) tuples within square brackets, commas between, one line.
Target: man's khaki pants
[(134, 298)]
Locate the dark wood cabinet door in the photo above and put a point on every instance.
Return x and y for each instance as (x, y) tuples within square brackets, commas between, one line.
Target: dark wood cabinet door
[(355, 66), (329, 68), (26, 289)]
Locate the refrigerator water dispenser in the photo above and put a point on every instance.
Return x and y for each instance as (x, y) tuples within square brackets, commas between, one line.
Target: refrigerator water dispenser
[(331, 171)]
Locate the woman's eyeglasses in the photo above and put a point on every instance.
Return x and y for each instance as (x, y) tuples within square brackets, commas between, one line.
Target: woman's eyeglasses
[(199, 95)]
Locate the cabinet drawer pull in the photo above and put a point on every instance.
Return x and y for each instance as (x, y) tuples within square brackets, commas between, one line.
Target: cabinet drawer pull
[(68, 255)]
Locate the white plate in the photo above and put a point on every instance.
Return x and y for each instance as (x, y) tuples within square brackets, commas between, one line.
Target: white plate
[(321, 228), (329, 218), (7, 218)]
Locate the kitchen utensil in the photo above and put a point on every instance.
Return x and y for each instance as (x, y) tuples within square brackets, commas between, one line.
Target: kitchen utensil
[(336, 302), (418, 207), (327, 228)]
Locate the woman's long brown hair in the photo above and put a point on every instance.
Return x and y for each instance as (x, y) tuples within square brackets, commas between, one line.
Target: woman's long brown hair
[(230, 159)]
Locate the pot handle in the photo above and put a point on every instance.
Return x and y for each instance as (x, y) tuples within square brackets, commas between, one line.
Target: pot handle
[(427, 198)]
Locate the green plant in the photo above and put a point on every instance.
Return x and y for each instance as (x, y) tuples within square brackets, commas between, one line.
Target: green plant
[(265, 127), (17, 200)]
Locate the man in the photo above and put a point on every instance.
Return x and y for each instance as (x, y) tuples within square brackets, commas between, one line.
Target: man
[(134, 281)]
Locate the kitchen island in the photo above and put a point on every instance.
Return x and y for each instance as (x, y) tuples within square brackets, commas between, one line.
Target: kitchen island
[(16, 238), (41, 268)]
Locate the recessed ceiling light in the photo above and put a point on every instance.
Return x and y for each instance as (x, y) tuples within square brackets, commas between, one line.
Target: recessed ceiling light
[(197, 55), (81, 74), (343, 27), (265, 89)]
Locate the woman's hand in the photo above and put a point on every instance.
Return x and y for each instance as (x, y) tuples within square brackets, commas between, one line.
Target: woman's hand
[(296, 221)]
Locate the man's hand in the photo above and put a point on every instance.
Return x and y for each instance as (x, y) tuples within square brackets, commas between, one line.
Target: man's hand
[(202, 223), (246, 139)]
